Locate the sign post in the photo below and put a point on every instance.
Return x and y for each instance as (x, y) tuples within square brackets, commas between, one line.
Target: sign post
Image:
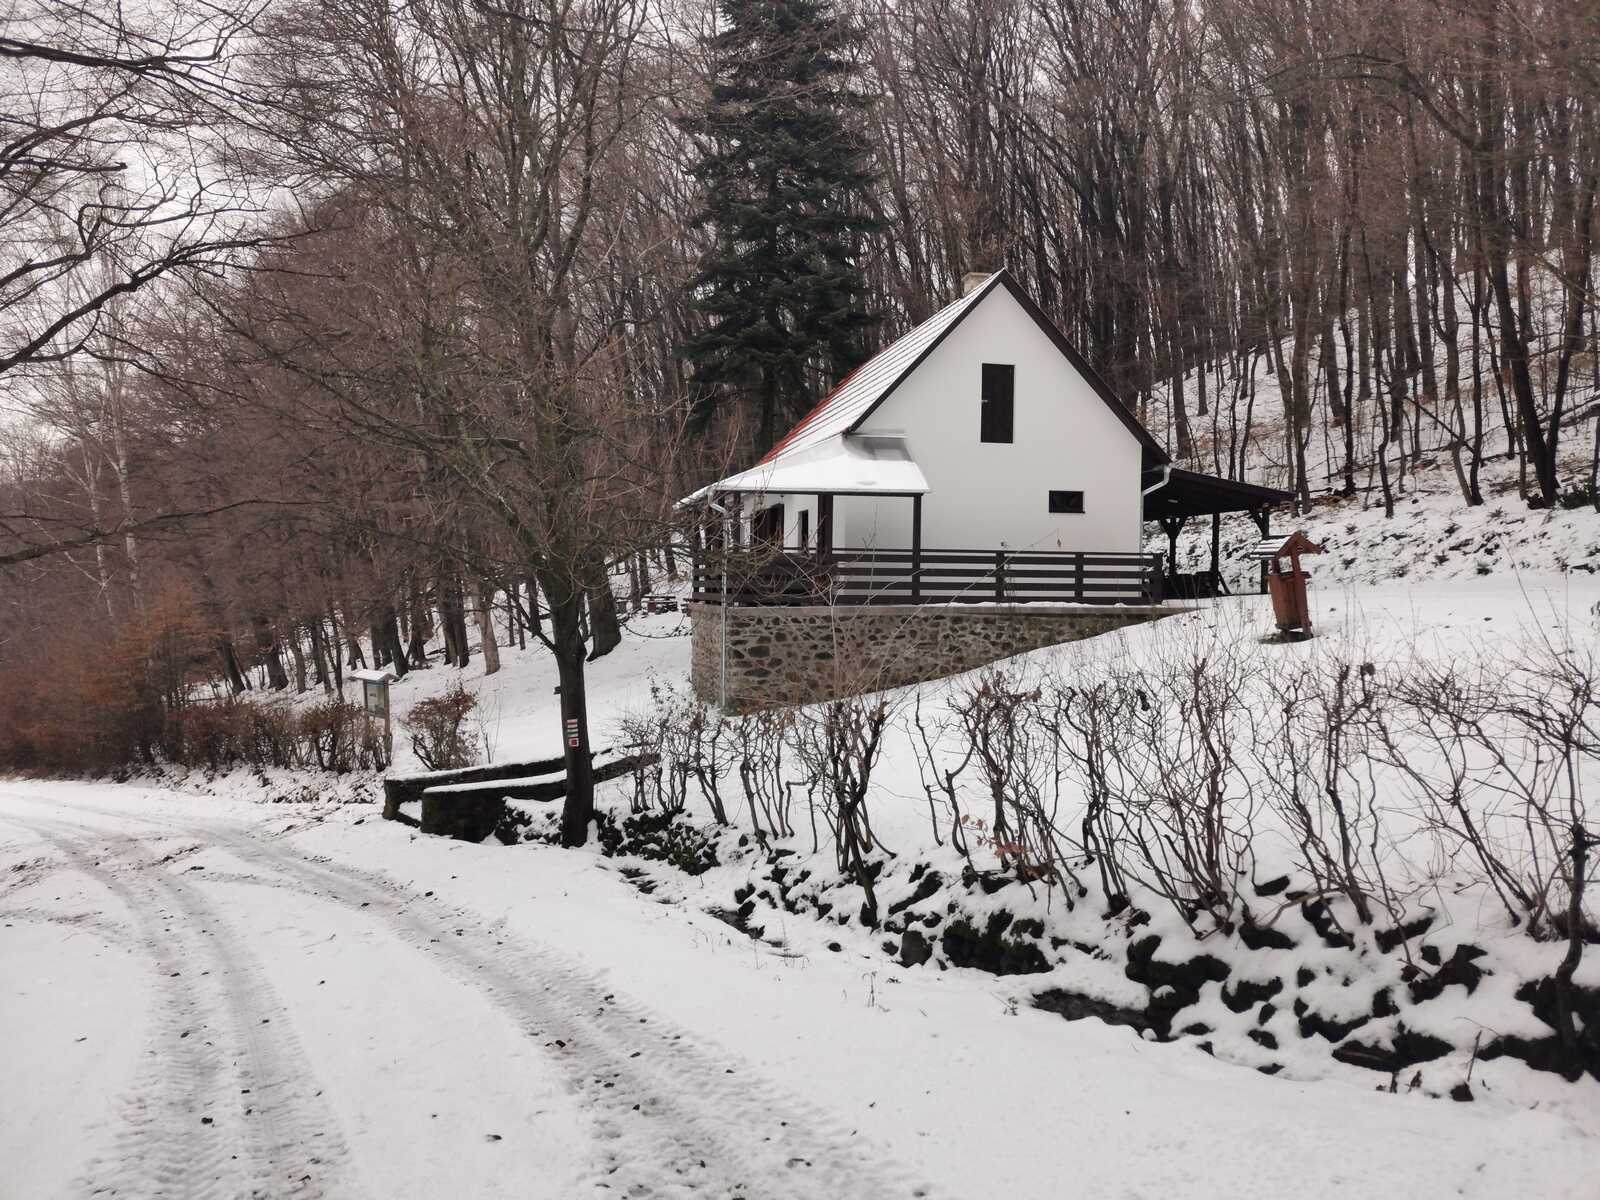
[(375, 703)]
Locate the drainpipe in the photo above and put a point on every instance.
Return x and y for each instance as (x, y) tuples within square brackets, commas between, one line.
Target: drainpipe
[(727, 540), (1166, 475)]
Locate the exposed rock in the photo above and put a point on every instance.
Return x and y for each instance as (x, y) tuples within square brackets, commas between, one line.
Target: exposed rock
[(1075, 1007), (1408, 1049), (1262, 1038), (914, 949), (930, 883), (1245, 994), (991, 950), (1260, 938), (1462, 968), (1388, 939), (1314, 1023), (1320, 917)]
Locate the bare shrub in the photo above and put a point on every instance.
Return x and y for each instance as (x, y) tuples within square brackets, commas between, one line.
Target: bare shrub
[(1177, 793), (707, 747), (1516, 740), (839, 743), (760, 738), (691, 742), (332, 733), (442, 730), (939, 774), (1312, 745), (1091, 735), (643, 733), (1014, 743)]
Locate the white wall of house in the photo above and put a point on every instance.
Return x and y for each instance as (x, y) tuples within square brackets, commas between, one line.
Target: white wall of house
[(986, 495)]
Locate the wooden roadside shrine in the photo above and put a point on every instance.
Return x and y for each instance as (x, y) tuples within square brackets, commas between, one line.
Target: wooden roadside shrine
[(1286, 580)]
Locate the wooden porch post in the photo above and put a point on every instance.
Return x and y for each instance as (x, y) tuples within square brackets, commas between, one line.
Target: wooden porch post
[(824, 524), (916, 548), (1216, 548), (1263, 520), (1172, 526)]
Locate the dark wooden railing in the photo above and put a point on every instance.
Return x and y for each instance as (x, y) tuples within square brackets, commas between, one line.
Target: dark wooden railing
[(765, 577)]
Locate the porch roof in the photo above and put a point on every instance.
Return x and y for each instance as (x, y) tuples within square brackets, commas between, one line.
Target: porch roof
[(1191, 494), (855, 464)]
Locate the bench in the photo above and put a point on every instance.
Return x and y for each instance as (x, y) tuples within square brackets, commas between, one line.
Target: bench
[(468, 804)]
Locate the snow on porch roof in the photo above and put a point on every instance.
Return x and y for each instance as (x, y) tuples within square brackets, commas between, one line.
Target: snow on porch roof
[(869, 463)]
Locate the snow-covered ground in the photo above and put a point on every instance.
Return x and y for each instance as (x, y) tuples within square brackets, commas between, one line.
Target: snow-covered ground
[(207, 995)]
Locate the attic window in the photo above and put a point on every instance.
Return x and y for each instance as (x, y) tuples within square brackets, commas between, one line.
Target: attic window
[(999, 386), (1066, 502)]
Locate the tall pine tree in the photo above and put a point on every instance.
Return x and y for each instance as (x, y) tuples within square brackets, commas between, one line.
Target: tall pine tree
[(788, 183)]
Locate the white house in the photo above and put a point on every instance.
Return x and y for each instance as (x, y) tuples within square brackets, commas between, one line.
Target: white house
[(981, 442)]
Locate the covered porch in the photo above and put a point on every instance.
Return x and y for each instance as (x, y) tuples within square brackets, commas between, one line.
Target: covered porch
[(751, 550), (768, 537), (1173, 497)]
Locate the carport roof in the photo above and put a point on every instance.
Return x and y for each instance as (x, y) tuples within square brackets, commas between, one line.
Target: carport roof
[(1191, 494)]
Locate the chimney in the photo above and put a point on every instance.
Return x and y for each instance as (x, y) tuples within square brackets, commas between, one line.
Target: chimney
[(972, 280)]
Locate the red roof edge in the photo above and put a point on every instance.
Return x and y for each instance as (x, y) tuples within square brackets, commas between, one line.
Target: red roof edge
[(816, 411)]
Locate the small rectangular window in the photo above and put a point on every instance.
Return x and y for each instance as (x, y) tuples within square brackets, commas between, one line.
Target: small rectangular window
[(1066, 502), (999, 387)]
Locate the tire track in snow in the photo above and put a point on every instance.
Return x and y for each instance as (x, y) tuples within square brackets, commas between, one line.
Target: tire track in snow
[(675, 1118), (225, 1104)]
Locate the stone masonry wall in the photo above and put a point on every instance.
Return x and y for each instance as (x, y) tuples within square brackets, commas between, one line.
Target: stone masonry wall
[(781, 656)]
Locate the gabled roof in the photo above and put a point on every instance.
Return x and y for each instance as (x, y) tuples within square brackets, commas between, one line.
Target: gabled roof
[(843, 410), (859, 393)]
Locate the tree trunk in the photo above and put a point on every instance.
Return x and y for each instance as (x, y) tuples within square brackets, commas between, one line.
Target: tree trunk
[(319, 654), (485, 615), (604, 628), (334, 658), (277, 677), (237, 683), (421, 631), (299, 661), (565, 606), (532, 610)]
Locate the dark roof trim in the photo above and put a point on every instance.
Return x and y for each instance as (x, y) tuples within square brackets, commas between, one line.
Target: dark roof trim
[(1191, 493), (1154, 452), (1153, 448), (983, 293)]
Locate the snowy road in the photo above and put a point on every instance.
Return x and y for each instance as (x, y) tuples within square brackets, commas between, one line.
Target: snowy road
[(205, 998), (227, 1100)]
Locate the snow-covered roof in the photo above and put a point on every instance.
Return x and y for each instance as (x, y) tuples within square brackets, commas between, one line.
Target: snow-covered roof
[(844, 463)]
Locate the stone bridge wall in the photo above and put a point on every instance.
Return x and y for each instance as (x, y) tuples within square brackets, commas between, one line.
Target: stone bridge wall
[(780, 656)]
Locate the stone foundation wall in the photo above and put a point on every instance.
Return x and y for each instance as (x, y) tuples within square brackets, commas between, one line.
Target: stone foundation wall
[(781, 656)]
